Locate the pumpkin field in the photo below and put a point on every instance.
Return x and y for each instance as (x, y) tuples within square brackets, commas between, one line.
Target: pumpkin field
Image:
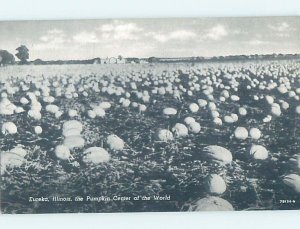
[(203, 136)]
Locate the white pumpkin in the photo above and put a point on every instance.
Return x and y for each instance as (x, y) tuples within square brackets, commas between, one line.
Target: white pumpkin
[(235, 117), (215, 114), (268, 118), (259, 152), (255, 133), (6, 107), (241, 133), (169, 111), (72, 124), (19, 151), (216, 184), (189, 120), (91, 114), (36, 106), (242, 111), (62, 152), (19, 110), (24, 101), (218, 154), (13, 158), (269, 99), (282, 89), (105, 105), (58, 114), (142, 108), (165, 135), (74, 141), (234, 98), (180, 130), (193, 107), (202, 102), (114, 142), (134, 104), (51, 108), (295, 162), (211, 203), (72, 113), (126, 103), (228, 119), (297, 109), (95, 155), (194, 127), (285, 105), (71, 132), (212, 106), (218, 121), (293, 181), (275, 109), (38, 130), (100, 112), (9, 128), (35, 114)]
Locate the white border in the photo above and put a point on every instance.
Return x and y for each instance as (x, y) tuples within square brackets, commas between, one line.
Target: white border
[(96, 9)]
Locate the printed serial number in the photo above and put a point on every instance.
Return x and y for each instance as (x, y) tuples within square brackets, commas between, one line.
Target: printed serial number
[(287, 201)]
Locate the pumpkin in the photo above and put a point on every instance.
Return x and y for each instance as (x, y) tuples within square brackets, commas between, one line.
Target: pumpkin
[(74, 141), (275, 109), (255, 133), (62, 152), (95, 155), (211, 203), (100, 112), (259, 152), (169, 111), (193, 107), (72, 124), (242, 111), (35, 114), (216, 184), (91, 114), (241, 133), (114, 142), (189, 120), (105, 105), (38, 130), (194, 127), (9, 128), (293, 181), (180, 130), (51, 108), (164, 135), (72, 113), (218, 154), (14, 158), (202, 102), (295, 162)]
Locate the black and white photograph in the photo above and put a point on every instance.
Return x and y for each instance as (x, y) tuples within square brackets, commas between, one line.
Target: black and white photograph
[(150, 115)]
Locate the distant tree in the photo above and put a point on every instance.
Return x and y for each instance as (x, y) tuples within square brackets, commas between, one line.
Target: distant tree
[(23, 54), (6, 58), (96, 60), (38, 62), (152, 59)]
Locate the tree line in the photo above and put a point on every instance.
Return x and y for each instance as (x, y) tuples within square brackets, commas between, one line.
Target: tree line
[(22, 54), (6, 58)]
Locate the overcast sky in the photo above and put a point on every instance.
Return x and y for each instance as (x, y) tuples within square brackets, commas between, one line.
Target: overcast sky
[(82, 39)]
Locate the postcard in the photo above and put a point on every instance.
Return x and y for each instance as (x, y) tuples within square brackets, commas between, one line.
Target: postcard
[(150, 115)]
